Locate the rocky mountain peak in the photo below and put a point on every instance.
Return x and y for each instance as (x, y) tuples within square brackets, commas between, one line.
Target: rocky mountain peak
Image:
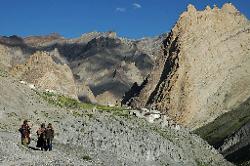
[(191, 80), (191, 8), (216, 21)]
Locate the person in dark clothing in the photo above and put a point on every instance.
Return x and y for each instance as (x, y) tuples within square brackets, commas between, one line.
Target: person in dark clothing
[(41, 142), (49, 136), (25, 133)]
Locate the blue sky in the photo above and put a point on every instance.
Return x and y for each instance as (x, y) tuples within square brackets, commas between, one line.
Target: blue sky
[(71, 18)]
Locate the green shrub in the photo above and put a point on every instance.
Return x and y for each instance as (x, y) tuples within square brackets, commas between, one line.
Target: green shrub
[(86, 158)]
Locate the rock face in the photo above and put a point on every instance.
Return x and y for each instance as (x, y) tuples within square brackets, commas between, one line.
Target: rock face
[(110, 65), (44, 73), (203, 70), (86, 137)]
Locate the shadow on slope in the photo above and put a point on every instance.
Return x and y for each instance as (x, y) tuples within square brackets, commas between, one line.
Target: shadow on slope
[(226, 126), (114, 86)]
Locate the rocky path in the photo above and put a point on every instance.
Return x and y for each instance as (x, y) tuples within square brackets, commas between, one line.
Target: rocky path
[(13, 153)]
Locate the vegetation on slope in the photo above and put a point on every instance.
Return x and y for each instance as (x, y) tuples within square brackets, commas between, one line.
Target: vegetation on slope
[(67, 102)]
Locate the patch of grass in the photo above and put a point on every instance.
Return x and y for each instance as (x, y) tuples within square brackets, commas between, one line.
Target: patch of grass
[(120, 112), (63, 101), (67, 102)]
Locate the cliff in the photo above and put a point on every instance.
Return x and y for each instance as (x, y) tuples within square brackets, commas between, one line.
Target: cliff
[(203, 70)]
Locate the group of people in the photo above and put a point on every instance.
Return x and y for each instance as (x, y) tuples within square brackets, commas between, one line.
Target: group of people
[(45, 135)]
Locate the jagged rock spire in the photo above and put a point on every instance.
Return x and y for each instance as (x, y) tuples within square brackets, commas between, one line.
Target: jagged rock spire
[(191, 8)]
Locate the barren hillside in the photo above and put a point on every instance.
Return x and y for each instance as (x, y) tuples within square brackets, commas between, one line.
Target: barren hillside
[(91, 135)]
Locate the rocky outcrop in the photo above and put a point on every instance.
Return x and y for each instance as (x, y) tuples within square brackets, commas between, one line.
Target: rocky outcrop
[(44, 73), (203, 70)]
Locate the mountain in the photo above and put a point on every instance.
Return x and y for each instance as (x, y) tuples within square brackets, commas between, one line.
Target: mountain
[(91, 134), (203, 60), (110, 65), (102, 62), (202, 76), (196, 77)]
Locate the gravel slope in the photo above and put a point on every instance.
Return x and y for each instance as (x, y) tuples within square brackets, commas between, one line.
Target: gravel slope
[(92, 137)]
